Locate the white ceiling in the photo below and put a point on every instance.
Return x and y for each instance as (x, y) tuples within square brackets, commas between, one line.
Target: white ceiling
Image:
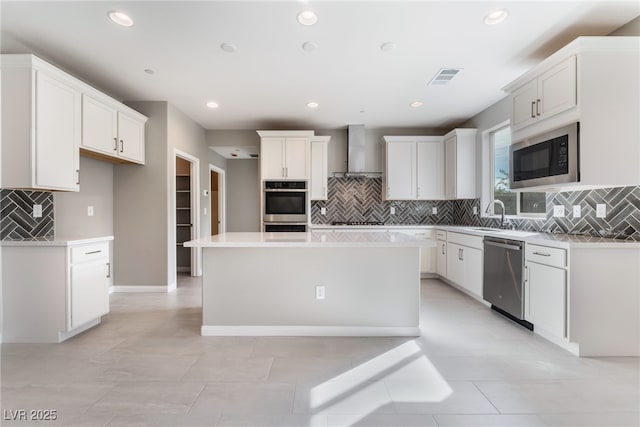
[(267, 82)]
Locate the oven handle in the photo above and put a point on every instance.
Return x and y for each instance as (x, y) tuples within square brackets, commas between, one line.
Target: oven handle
[(285, 190), (503, 245), (285, 223)]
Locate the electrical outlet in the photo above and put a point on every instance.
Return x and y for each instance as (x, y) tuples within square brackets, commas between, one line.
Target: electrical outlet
[(37, 211), (475, 210), (434, 210), (205, 192), (558, 211), (577, 211), (89, 210), (320, 292), (392, 210), (601, 210), (323, 211)]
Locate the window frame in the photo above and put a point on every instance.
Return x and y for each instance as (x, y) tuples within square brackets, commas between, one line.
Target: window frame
[(488, 187)]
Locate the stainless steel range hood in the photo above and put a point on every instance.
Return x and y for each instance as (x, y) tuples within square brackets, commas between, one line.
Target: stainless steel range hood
[(356, 159)]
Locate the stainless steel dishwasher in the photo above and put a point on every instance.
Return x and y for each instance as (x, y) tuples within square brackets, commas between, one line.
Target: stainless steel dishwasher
[(503, 282)]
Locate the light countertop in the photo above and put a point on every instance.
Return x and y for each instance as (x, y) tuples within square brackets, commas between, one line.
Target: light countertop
[(320, 239), (55, 241)]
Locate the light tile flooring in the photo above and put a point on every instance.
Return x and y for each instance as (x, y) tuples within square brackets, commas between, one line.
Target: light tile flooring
[(147, 365)]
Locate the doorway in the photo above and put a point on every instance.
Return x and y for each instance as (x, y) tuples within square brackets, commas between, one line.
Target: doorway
[(217, 208), (186, 212)]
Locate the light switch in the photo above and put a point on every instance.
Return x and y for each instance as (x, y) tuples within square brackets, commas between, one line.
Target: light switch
[(601, 210), (577, 211), (205, 192), (89, 210), (475, 210), (205, 211), (37, 211), (392, 210), (323, 211), (434, 210), (558, 211)]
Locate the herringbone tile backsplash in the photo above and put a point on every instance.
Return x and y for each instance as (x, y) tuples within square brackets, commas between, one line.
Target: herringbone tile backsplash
[(360, 199), (16, 214)]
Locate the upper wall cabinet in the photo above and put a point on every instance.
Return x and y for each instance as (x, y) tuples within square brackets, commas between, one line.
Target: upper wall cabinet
[(553, 92), (285, 155), (40, 126), (319, 167), (414, 168), (460, 164), (593, 81), (111, 130)]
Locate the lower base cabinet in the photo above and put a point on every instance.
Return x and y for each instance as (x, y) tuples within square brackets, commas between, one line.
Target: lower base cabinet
[(54, 290), (427, 253), (546, 289), (464, 262)]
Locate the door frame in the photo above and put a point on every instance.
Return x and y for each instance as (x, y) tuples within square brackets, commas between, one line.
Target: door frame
[(196, 267), (222, 198)]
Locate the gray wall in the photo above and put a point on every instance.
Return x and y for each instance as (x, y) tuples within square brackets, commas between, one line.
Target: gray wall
[(96, 189), (140, 207), (243, 199), (631, 28)]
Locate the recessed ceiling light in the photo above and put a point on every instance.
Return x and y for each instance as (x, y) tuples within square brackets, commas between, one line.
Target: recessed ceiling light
[(416, 104), (312, 104), (496, 17), (149, 71), (212, 104), (307, 17), (228, 47), (120, 18), (309, 46), (387, 46)]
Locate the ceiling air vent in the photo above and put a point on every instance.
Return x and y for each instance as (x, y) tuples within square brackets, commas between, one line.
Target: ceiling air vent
[(444, 76)]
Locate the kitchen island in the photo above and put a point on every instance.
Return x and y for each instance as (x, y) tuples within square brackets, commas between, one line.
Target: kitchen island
[(314, 284)]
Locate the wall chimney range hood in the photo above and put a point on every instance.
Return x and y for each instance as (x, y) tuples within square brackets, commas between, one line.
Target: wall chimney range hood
[(356, 156)]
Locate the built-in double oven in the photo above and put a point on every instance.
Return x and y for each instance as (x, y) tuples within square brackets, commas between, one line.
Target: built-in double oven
[(285, 206)]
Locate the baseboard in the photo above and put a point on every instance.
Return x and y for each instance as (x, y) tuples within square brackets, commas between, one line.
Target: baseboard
[(124, 289), (183, 269), (90, 324), (465, 291), (573, 348), (310, 331)]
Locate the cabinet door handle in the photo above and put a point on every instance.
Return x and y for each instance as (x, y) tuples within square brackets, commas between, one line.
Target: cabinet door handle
[(443, 249), (78, 180), (538, 107), (542, 253), (108, 270), (533, 104), (526, 274), (283, 174), (461, 254), (115, 144), (121, 146), (93, 252)]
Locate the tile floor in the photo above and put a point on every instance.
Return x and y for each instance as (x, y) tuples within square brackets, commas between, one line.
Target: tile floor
[(147, 365)]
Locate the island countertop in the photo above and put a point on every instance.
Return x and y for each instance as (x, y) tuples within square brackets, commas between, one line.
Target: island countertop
[(320, 239)]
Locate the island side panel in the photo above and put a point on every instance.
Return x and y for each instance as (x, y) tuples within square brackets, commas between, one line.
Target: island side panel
[(271, 291)]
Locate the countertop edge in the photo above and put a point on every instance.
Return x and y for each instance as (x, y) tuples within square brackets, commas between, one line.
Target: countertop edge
[(55, 241)]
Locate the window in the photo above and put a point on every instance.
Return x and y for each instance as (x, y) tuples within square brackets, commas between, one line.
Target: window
[(515, 203)]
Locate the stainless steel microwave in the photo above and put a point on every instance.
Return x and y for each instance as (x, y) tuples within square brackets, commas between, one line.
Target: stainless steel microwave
[(547, 159)]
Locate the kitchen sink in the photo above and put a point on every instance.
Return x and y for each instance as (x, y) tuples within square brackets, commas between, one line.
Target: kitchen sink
[(488, 229)]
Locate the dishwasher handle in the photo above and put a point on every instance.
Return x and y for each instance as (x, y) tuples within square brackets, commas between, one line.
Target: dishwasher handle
[(503, 245)]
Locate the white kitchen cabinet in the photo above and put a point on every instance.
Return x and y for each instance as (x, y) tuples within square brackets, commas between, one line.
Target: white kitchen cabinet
[(571, 89), (40, 126), (464, 259), (414, 168), (441, 253), (550, 93), (111, 129), (460, 164), (285, 155), (546, 289), (319, 167), (90, 274), (66, 294), (427, 253)]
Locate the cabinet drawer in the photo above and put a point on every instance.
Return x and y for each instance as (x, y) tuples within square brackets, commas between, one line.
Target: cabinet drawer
[(554, 257), (465, 240), (89, 252), (441, 235)]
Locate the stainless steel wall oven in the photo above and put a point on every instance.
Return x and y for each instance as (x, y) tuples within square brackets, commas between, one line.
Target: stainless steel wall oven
[(285, 206)]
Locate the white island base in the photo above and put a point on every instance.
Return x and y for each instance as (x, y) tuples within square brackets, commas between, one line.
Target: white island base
[(266, 284)]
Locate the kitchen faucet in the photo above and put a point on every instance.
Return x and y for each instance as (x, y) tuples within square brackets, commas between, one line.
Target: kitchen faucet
[(499, 202)]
